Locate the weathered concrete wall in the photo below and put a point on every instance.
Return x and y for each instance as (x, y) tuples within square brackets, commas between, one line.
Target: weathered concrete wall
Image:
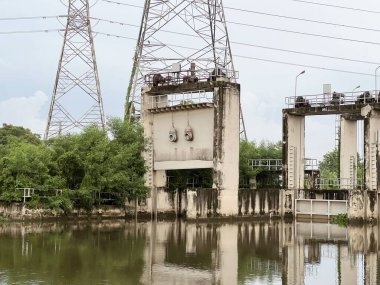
[(259, 202), (348, 151), (19, 211), (294, 146), (183, 154), (287, 202), (371, 153), (362, 205), (227, 145), (215, 146), (190, 203)]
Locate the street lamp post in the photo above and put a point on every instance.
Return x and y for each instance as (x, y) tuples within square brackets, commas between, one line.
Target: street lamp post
[(376, 94), (295, 87)]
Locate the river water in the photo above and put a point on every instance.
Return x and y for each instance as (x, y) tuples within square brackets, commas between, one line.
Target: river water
[(179, 252)]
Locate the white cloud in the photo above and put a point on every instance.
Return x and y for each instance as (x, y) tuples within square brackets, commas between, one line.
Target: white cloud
[(25, 111)]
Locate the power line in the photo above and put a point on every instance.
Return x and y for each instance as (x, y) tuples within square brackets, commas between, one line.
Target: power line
[(306, 66), (234, 42), (336, 6), (253, 58), (303, 19), (31, 31), (309, 54), (253, 45), (278, 29), (33, 18), (305, 34), (275, 15), (123, 4)]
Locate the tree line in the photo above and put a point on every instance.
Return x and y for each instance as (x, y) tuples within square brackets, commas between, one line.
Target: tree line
[(87, 168)]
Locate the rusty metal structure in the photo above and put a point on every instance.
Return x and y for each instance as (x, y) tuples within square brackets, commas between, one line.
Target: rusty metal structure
[(76, 102), (174, 36)]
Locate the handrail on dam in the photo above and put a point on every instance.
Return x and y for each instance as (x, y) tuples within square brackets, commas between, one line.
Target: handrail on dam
[(333, 99), (339, 183), (276, 164), (268, 164)]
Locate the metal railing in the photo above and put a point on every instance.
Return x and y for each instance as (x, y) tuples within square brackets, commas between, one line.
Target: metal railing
[(181, 99), (311, 164), (267, 164), (338, 183), (25, 192), (167, 78), (333, 99), (276, 164)]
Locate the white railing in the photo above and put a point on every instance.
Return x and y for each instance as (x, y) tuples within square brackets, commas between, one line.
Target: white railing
[(268, 164), (316, 207), (26, 193), (311, 164), (332, 99), (182, 99), (276, 164), (338, 183)]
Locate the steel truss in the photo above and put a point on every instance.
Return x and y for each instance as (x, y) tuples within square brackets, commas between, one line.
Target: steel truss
[(77, 78), (178, 33)]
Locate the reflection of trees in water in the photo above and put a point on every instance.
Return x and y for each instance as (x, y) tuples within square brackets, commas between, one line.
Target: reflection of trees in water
[(71, 256), (203, 243), (259, 251)]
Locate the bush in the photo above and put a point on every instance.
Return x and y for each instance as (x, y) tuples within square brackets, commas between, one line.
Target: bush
[(35, 203), (10, 196), (82, 198), (340, 220), (60, 203)]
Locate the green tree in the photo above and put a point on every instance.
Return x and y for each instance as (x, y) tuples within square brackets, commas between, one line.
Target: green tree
[(24, 165), (329, 166), (249, 151), (10, 132), (126, 165)]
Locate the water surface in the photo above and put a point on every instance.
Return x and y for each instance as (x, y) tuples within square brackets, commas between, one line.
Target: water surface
[(178, 252)]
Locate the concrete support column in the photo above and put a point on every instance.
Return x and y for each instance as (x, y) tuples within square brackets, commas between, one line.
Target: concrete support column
[(371, 153), (226, 148), (294, 160), (294, 137), (348, 153)]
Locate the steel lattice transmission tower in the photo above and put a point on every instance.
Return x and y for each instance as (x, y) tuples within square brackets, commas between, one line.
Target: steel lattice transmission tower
[(76, 101), (179, 32)]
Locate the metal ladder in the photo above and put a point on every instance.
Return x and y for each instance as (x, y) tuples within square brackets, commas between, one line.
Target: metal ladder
[(373, 168), (352, 172), (149, 164), (292, 166), (337, 130)]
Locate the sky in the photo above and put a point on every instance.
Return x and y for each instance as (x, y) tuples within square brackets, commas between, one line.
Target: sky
[(28, 62)]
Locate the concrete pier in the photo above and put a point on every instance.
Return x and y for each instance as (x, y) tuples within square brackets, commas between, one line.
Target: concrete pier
[(192, 126), (348, 151), (363, 196)]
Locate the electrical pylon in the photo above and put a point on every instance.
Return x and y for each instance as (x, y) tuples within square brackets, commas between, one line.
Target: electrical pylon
[(179, 32), (76, 102)]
